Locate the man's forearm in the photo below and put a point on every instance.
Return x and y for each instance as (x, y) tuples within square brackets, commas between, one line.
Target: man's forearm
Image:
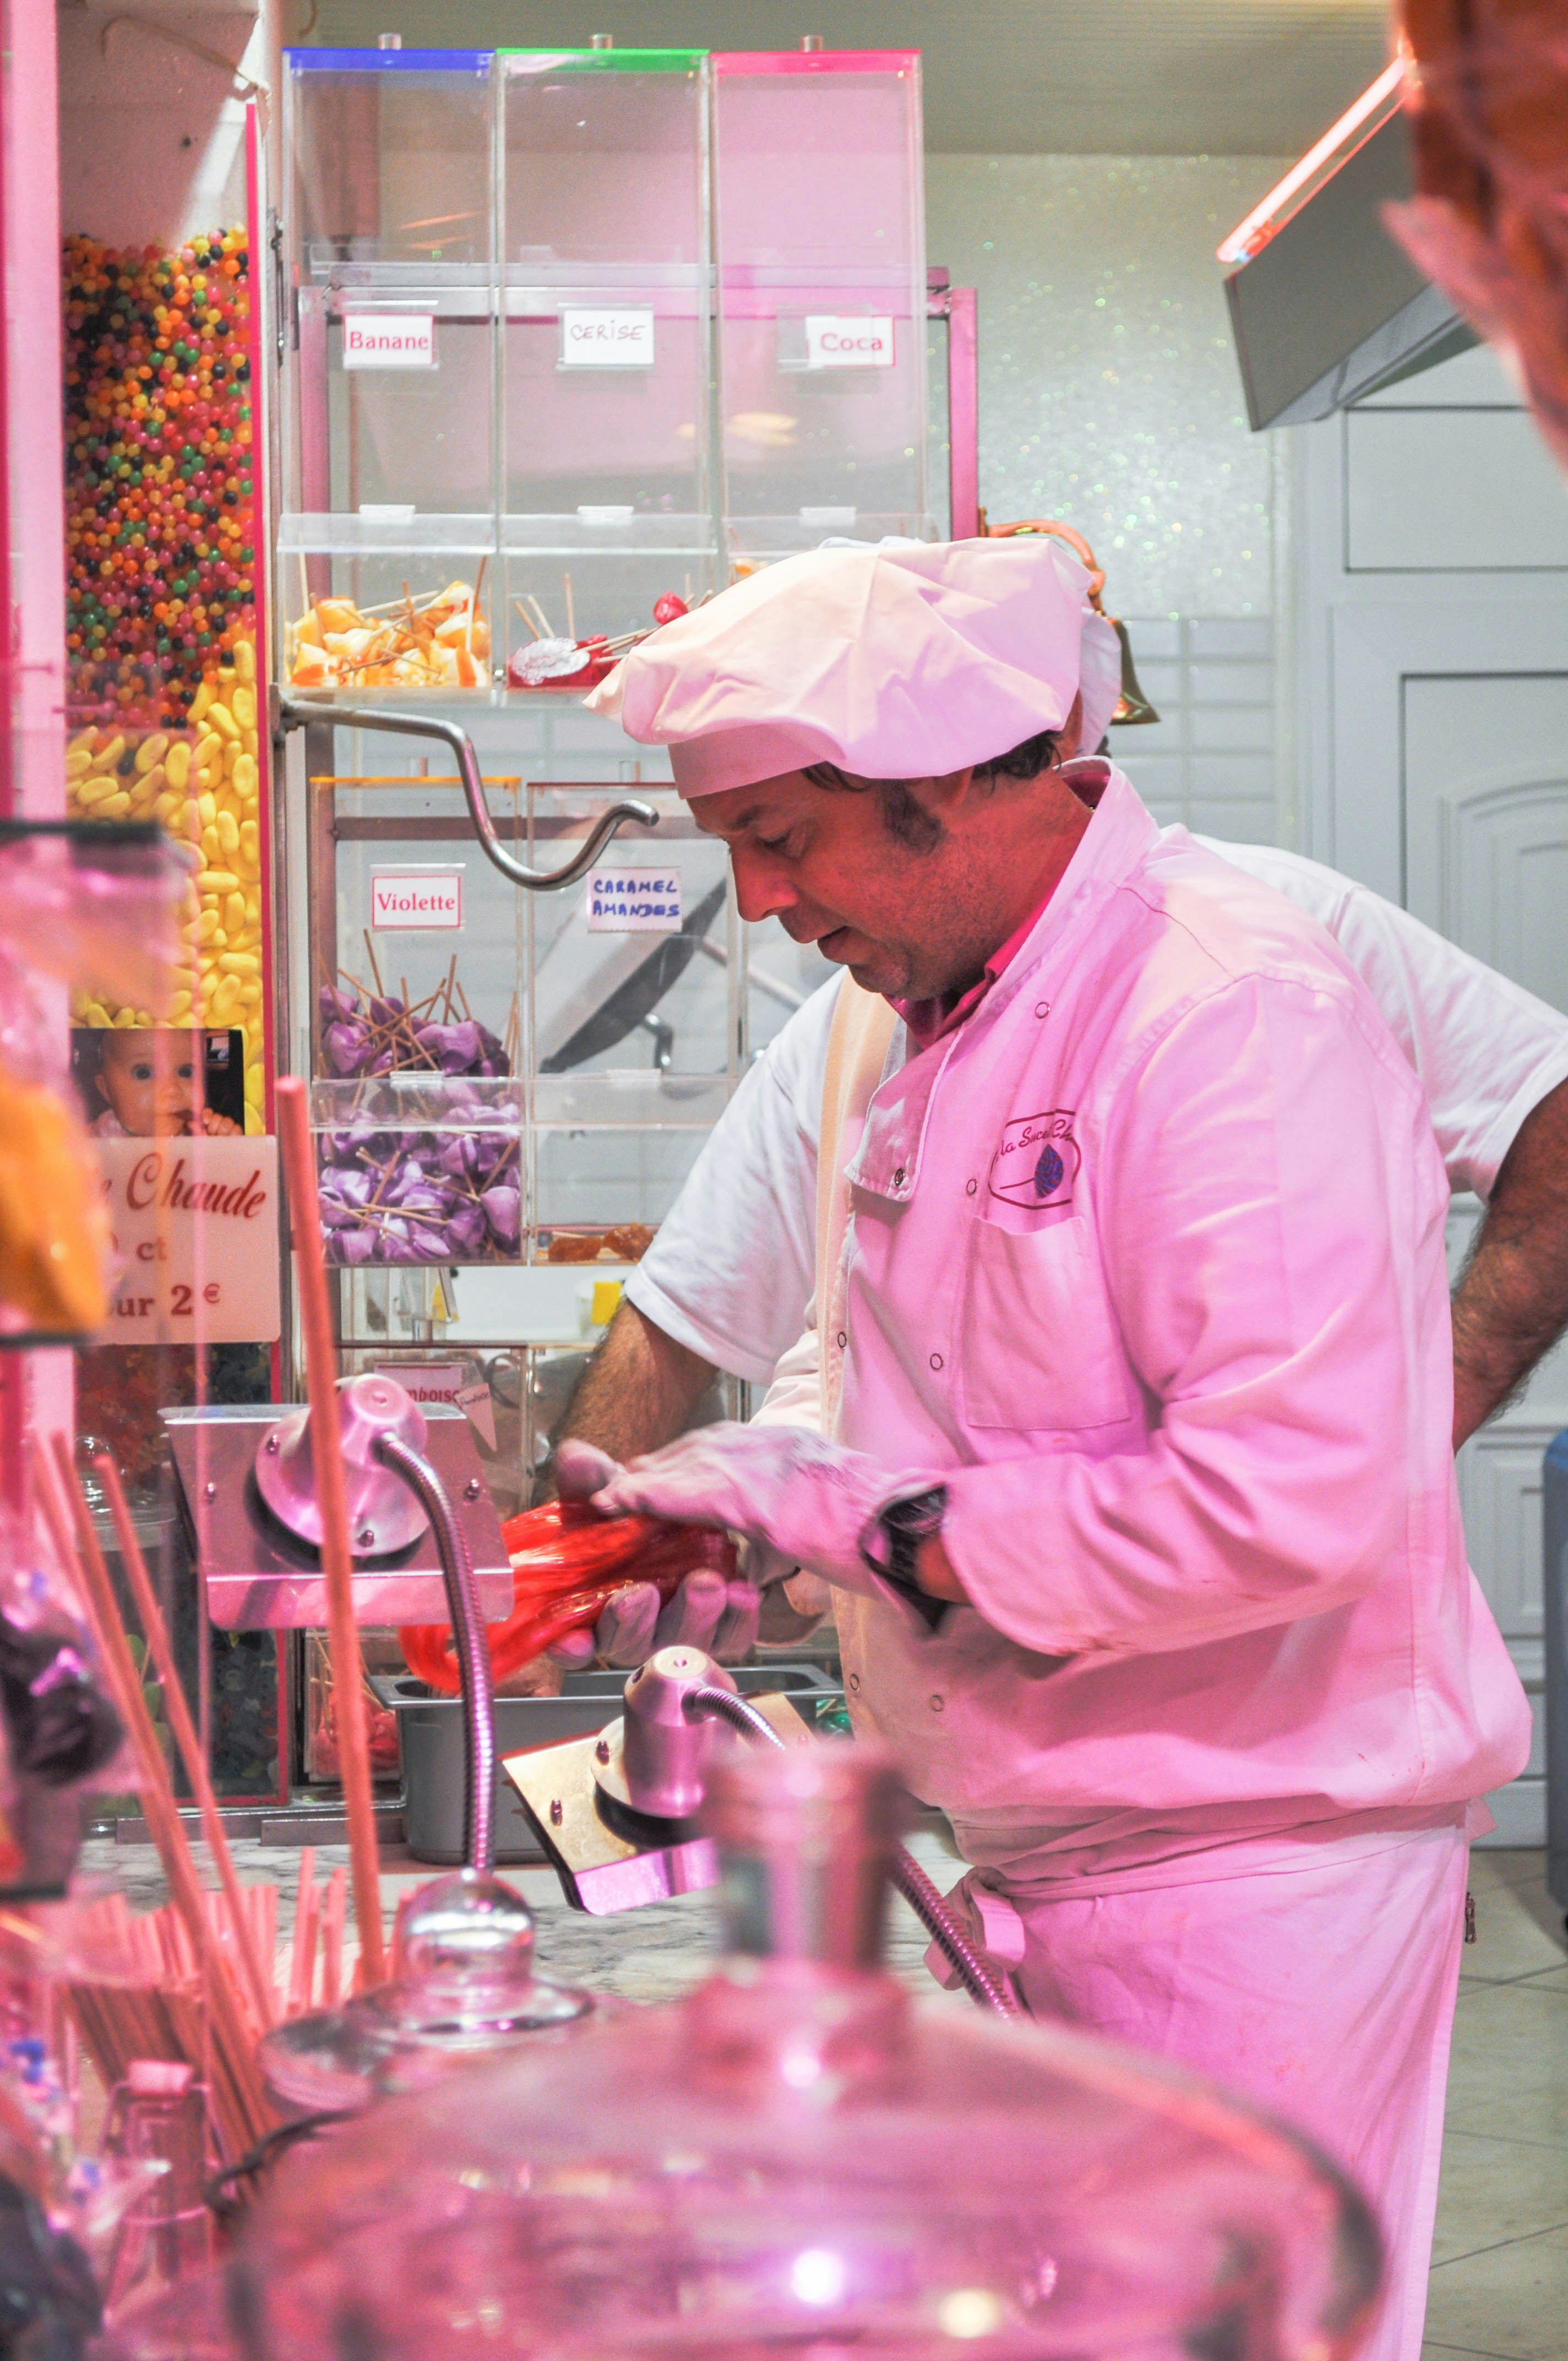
[(1511, 1304), (637, 1391)]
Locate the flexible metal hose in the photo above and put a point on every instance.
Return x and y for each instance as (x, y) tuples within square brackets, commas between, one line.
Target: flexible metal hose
[(985, 1989), (473, 1650)]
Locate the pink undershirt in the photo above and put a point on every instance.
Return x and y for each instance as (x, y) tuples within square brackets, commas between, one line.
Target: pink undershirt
[(930, 1021)]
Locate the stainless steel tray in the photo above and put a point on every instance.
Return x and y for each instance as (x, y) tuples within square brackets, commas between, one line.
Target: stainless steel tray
[(431, 1730)]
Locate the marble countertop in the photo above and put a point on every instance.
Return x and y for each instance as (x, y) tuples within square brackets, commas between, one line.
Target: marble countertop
[(654, 1953)]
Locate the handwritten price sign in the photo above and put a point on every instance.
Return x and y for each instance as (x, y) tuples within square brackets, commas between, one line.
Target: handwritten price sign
[(195, 1240)]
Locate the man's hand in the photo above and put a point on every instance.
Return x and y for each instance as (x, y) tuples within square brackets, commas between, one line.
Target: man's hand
[(1511, 1303), (798, 1498), (637, 1391)]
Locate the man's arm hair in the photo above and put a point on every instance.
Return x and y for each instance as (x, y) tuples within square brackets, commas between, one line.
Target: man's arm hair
[(1511, 1303), (637, 1391)]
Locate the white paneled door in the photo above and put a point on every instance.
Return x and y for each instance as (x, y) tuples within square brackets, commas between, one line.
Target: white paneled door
[(1433, 702)]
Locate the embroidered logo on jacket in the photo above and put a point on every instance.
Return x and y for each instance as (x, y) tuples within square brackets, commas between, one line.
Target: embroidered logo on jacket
[(1038, 1161)]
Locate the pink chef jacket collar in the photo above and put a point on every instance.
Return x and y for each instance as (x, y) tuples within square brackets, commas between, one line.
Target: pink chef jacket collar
[(930, 1021)]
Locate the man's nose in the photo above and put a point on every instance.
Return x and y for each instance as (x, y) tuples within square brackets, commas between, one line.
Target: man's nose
[(762, 888)]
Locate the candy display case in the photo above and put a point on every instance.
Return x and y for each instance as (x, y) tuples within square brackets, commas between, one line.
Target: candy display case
[(388, 403), (822, 299), (607, 489)]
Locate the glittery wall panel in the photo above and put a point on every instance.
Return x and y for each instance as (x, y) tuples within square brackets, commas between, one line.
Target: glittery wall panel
[(1209, 759), (1109, 392)]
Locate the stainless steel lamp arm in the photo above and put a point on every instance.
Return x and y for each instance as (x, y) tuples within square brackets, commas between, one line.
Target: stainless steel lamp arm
[(294, 713), (473, 1649), (974, 1973)]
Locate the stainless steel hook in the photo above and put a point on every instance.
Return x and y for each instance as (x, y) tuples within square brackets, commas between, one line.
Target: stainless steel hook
[(294, 713)]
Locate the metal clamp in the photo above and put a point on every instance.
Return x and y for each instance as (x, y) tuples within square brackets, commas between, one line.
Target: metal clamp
[(293, 713)]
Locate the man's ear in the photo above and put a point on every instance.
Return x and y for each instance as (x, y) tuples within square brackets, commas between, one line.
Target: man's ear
[(1070, 737), (948, 794)]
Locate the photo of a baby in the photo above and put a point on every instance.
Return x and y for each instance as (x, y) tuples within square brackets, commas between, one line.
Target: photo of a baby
[(139, 1083)]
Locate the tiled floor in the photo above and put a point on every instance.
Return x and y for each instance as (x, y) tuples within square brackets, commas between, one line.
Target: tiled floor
[(1499, 2281)]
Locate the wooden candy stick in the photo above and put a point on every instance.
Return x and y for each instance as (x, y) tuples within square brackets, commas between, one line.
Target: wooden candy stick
[(237, 2083), (337, 1565), (156, 1632), (303, 1952)]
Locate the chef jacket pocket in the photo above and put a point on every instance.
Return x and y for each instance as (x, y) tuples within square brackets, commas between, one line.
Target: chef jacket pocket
[(1042, 1352)]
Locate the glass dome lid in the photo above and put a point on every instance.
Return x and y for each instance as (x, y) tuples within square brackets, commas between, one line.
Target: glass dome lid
[(800, 2156)]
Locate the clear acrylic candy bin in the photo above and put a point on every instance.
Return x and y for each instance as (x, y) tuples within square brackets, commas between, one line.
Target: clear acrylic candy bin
[(419, 1168), (822, 298), (607, 496), (389, 401)]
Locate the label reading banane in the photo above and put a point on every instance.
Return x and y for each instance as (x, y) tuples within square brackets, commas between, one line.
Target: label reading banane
[(388, 340)]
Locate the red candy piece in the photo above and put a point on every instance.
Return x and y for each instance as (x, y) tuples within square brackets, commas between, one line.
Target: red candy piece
[(567, 1563), (668, 606)]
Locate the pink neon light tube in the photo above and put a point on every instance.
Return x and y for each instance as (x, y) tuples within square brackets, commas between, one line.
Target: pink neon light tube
[(1368, 112)]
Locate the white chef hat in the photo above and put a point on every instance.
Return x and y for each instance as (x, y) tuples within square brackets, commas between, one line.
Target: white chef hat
[(893, 662)]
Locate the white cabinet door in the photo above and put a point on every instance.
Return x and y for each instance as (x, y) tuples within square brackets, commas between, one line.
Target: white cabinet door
[(1433, 698)]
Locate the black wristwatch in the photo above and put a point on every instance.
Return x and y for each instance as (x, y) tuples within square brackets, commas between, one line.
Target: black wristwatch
[(895, 1537)]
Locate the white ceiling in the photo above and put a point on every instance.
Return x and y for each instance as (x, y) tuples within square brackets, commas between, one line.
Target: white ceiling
[(1020, 77)]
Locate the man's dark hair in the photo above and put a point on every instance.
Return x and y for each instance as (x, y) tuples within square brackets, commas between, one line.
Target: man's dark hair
[(906, 820)]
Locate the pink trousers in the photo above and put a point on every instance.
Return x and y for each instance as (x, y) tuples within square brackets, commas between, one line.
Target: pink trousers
[(1317, 1979)]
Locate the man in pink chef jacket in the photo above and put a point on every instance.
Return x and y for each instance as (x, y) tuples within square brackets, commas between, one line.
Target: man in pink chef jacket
[(1135, 1479)]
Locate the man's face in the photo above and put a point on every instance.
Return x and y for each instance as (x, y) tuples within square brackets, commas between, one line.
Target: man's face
[(822, 862)]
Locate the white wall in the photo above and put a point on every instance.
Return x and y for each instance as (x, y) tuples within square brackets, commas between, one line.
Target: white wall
[(1110, 397)]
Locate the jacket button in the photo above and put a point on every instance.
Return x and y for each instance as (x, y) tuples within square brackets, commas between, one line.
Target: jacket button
[(970, 1188), (855, 1683), (898, 1178), (1042, 1007), (842, 1339), (935, 1360), (938, 1703)]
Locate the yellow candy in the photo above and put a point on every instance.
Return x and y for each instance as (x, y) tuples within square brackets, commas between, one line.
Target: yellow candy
[(224, 998), (211, 853), (201, 701), (251, 994), (255, 1085), (152, 750), (83, 739), (228, 832), (241, 964), (112, 807), (234, 915), (125, 1019), (78, 764), (242, 705), (92, 792), (208, 808), (244, 660), (151, 782), (250, 841), (97, 1013), (169, 804), (220, 719), (254, 1123), (217, 880), (179, 1006), (245, 778), (110, 756), (207, 926), (177, 763), (208, 748)]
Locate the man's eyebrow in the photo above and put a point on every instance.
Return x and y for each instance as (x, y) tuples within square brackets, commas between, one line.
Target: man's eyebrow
[(737, 827)]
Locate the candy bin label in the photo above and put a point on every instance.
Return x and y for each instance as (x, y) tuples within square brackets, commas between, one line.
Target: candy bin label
[(388, 340), (416, 900), (634, 901), (195, 1240), (832, 343), (600, 338)]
